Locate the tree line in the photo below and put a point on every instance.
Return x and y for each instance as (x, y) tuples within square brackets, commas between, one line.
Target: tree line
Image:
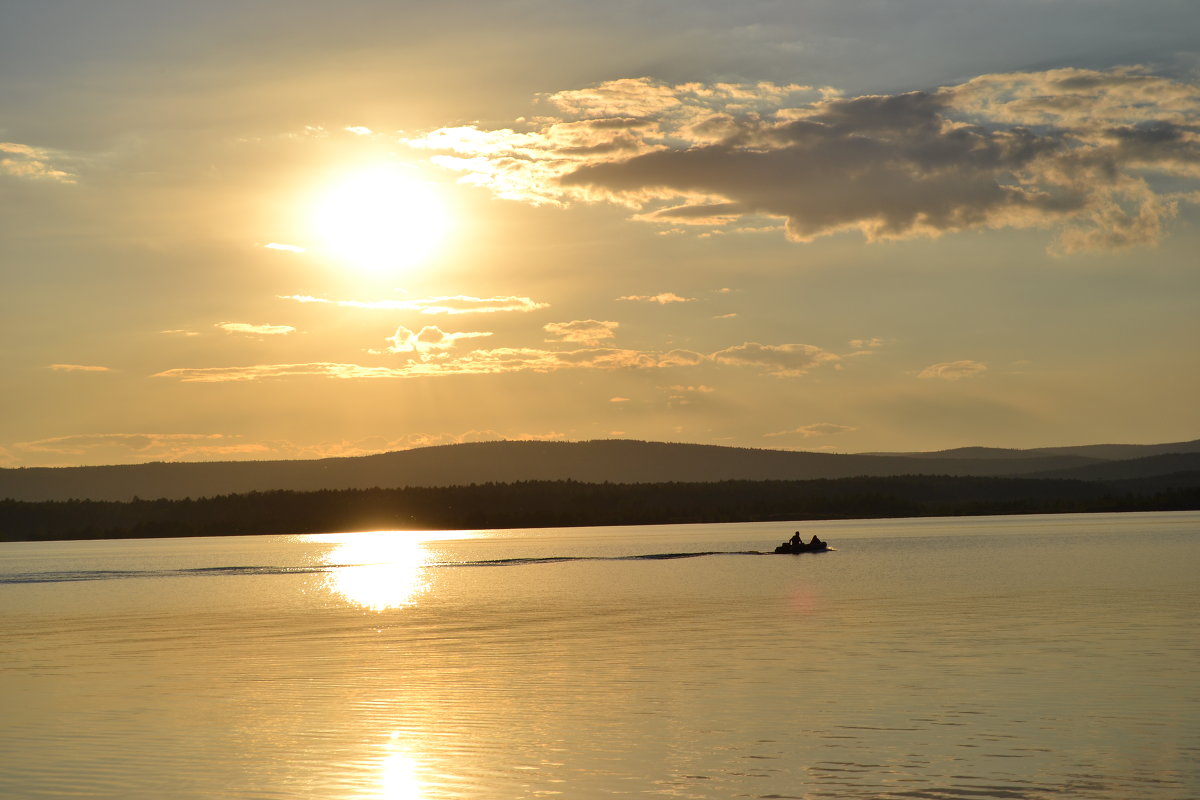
[(568, 503)]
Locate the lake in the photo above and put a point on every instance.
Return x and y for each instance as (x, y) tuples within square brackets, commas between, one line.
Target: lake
[(996, 657)]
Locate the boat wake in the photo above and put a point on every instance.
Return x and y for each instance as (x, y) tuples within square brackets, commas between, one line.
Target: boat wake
[(234, 571), (512, 562)]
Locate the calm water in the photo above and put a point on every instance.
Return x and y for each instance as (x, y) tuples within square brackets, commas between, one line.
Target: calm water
[(1019, 657)]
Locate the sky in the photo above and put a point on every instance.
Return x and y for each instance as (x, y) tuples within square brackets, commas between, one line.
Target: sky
[(301, 229)]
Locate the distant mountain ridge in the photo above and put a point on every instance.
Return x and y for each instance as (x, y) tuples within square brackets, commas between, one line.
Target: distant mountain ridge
[(1106, 452), (596, 461)]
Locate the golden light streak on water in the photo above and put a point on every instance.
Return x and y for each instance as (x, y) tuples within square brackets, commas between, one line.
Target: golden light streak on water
[(381, 570), (399, 777)]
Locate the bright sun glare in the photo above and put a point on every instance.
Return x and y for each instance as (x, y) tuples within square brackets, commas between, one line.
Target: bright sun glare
[(380, 219)]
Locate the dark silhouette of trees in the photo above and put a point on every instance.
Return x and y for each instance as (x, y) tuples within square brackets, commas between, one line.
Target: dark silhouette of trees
[(567, 503)]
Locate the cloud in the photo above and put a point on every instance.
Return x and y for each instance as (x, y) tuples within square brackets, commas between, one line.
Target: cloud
[(146, 446), (583, 331), (816, 429), (784, 360), (682, 395), (618, 399), (434, 439), (864, 347), (1099, 156), (478, 362), (287, 248), (78, 368), (429, 342), (180, 332), (661, 299), (31, 163), (324, 369), (255, 330), (953, 370), (457, 304)]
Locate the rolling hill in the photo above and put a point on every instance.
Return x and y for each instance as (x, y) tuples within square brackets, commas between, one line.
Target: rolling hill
[(597, 461)]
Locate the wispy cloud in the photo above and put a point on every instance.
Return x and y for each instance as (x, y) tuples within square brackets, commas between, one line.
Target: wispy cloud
[(428, 342), (255, 330), (147, 446), (1080, 151), (784, 360), (865, 347), (287, 248), (816, 429), (685, 395), (477, 362), (455, 304), (953, 370), (662, 299), (32, 163), (582, 331), (78, 368)]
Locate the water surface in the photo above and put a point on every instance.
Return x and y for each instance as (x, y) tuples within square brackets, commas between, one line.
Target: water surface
[(1015, 657)]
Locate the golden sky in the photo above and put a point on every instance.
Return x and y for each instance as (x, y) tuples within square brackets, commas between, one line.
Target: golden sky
[(294, 230)]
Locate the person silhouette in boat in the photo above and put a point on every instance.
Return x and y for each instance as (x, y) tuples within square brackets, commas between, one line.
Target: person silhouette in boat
[(816, 544), (795, 540)]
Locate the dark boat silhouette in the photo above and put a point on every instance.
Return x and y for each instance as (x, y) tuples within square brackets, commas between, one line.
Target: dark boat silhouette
[(803, 547)]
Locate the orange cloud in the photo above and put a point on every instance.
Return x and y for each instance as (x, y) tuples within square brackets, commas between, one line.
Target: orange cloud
[(78, 368), (583, 331), (662, 299), (255, 330), (429, 341), (457, 304), (31, 163), (953, 370), (478, 362), (816, 429), (784, 360)]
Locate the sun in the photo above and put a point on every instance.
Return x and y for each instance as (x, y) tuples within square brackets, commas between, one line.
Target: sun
[(380, 219)]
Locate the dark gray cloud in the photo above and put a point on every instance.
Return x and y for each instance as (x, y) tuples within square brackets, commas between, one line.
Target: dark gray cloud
[(1067, 149)]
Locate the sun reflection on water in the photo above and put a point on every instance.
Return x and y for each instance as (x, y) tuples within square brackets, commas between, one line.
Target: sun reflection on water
[(380, 570), (399, 778)]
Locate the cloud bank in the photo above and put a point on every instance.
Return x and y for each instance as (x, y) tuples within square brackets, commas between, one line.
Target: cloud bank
[(1099, 156), (785, 360), (456, 304)]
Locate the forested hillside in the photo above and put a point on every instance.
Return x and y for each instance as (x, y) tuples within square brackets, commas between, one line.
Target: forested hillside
[(571, 503)]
